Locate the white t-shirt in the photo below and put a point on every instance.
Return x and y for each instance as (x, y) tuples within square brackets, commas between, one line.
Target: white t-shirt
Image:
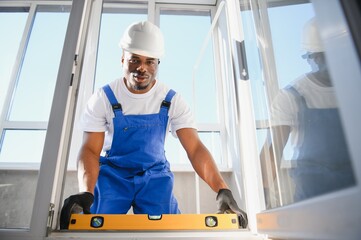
[(98, 114), (284, 108)]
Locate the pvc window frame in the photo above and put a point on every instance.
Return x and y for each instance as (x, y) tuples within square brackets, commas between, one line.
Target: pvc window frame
[(5, 124), (39, 222), (204, 127)]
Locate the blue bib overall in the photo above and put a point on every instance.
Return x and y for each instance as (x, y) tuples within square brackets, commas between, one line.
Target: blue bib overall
[(135, 171), (323, 162)]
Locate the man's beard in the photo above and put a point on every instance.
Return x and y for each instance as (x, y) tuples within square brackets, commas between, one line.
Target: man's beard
[(140, 87)]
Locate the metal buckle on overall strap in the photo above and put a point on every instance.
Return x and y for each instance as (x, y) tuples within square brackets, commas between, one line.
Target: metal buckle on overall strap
[(117, 106), (165, 104)]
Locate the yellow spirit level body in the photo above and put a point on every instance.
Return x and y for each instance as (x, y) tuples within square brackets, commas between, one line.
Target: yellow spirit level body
[(154, 222)]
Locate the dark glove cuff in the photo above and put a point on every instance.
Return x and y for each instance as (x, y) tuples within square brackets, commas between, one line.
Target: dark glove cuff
[(89, 194), (223, 191), (87, 198)]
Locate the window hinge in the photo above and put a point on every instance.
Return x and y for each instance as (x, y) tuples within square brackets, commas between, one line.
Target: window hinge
[(74, 69), (76, 59), (49, 224), (71, 79)]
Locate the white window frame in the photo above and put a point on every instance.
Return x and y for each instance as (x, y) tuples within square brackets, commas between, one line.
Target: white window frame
[(56, 136), (22, 125), (211, 38), (54, 160)]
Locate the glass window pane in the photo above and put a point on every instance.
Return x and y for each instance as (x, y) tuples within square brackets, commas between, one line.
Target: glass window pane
[(21, 147), (11, 23), (254, 65), (113, 24), (17, 187), (304, 153), (31, 143), (183, 43), (212, 140), (176, 154), (35, 88), (17, 193), (281, 39), (174, 151)]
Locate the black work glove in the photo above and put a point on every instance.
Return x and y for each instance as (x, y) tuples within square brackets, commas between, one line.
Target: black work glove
[(77, 203), (227, 204)]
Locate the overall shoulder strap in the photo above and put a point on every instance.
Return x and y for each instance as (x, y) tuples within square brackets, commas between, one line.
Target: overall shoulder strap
[(164, 107), (299, 98), (112, 99)]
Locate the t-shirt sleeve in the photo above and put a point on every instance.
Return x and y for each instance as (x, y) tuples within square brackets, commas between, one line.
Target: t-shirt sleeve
[(94, 117), (283, 109), (180, 115)]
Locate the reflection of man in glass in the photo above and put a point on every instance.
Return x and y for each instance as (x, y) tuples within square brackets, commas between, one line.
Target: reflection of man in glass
[(306, 113)]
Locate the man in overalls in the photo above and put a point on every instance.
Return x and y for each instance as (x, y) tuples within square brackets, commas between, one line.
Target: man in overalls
[(306, 113), (128, 119)]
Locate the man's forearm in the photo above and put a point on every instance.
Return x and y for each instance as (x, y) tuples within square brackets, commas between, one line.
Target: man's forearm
[(206, 168), (201, 159), (88, 171)]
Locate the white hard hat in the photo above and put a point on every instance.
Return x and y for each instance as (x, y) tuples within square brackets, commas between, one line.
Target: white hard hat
[(311, 41), (143, 38)]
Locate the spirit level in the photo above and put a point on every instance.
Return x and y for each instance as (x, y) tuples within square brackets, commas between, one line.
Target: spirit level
[(154, 222)]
